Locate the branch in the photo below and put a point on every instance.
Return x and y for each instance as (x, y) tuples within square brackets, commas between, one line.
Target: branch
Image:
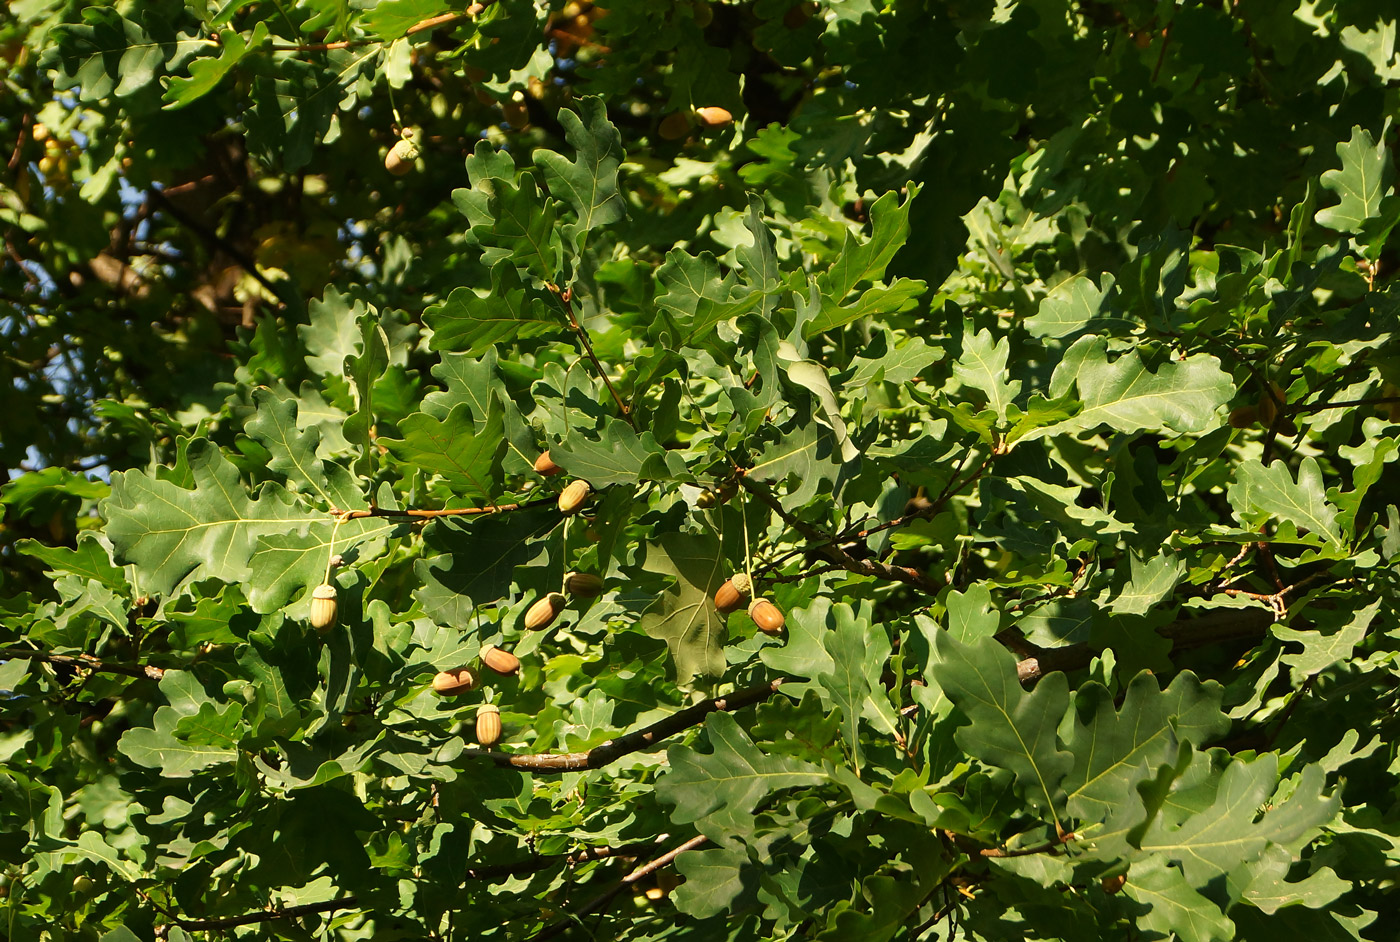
[(548, 860), (615, 749), (566, 297), (1225, 625), (244, 260), (85, 661), (825, 545), (267, 915), (429, 514), (600, 901), (420, 26)]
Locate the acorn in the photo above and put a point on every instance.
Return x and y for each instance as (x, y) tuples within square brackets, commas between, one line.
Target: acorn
[(502, 662), (583, 585), (545, 465), (542, 613), (323, 607), (734, 593), (709, 497), (1244, 416), (674, 126), (401, 157), (1113, 884), (451, 683), (766, 616), (488, 724), (572, 497), (714, 116), (1269, 403)]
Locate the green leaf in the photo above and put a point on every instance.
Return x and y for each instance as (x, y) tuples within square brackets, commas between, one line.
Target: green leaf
[(718, 791), (190, 734), (683, 615), (364, 370), (109, 55), (1010, 727), (176, 536), (390, 19), (866, 261), (1175, 908), (1363, 181), (1260, 493), (293, 454), (1128, 396), (468, 458), (697, 298), (473, 564), (206, 73), (472, 323), (1069, 306), (588, 183), (621, 456), (983, 366)]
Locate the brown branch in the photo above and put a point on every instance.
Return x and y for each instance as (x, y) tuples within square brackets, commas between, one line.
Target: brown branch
[(1225, 625), (546, 861), (431, 514), (430, 23), (85, 661), (1343, 404), (244, 260), (267, 915), (566, 298), (824, 543), (25, 121), (615, 749), (600, 901)]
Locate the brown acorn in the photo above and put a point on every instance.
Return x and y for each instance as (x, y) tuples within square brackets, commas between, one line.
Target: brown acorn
[(572, 497), (766, 616), (542, 613), (1244, 416), (323, 607), (502, 662), (714, 116), (488, 724), (674, 126), (452, 683), (545, 465), (583, 585), (1113, 884), (733, 594), (1269, 403), (401, 157)]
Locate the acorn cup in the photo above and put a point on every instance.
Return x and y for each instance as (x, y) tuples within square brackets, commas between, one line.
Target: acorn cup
[(542, 614), (571, 499), (401, 157), (735, 592), (583, 585), (767, 616), (488, 724), (323, 607), (500, 661), (453, 683)]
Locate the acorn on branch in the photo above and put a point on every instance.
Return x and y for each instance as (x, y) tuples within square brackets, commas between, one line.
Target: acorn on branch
[(733, 594)]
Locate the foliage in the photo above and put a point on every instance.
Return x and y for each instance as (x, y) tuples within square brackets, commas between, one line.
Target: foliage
[(1034, 359)]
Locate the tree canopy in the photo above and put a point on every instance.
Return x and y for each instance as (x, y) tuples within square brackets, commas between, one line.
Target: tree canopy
[(855, 469)]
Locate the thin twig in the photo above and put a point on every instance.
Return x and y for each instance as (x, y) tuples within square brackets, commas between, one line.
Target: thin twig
[(602, 900), (566, 298), (86, 662), (431, 514), (431, 23), (244, 260), (615, 749), (544, 862), (267, 915), (824, 543)]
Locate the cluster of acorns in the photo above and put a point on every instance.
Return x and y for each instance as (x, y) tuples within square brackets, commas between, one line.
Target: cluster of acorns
[(730, 597)]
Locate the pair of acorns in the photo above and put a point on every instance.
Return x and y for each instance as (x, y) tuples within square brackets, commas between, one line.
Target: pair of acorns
[(572, 497), (456, 682), (582, 585), (736, 590)]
